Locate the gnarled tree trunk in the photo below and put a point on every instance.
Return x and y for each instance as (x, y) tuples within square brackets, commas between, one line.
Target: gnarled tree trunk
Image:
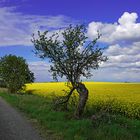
[(83, 96), (63, 100)]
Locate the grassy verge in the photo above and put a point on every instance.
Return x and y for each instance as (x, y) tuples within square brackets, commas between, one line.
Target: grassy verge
[(60, 126)]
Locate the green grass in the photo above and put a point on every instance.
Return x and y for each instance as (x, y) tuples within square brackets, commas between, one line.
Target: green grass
[(57, 125)]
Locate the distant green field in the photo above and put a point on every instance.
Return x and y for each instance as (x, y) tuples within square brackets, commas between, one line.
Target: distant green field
[(123, 98)]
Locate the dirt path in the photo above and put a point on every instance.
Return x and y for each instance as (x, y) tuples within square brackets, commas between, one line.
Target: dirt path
[(13, 126)]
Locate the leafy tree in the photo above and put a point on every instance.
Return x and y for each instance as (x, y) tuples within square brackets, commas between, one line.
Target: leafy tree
[(14, 72), (73, 57)]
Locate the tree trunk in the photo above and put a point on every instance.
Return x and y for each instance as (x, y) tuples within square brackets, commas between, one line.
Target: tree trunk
[(68, 97), (11, 90), (64, 99), (83, 96)]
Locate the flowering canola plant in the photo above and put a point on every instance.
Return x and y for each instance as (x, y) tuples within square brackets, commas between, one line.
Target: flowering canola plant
[(124, 98)]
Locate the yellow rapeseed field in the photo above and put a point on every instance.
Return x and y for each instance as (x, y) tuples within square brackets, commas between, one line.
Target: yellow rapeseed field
[(123, 97)]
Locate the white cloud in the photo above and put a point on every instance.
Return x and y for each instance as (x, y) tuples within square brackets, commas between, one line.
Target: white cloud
[(123, 63), (40, 70), (116, 74), (120, 56), (17, 28), (126, 30), (123, 51), (128, 18), (123, 38), (117, 49)]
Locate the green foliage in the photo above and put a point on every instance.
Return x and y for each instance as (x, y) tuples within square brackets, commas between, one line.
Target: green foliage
[(74, 56), (14, 72)]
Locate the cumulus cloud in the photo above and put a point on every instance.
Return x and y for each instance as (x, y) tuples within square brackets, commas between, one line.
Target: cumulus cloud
[(117, 71), (40, 70), (120, 56), (123, 39), (117, 49), (17, 28), (125, 30), (116, 74), (123, 63)]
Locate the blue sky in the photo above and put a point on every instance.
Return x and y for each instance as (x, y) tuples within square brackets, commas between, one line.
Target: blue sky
[(117, 20), (85, 10)]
